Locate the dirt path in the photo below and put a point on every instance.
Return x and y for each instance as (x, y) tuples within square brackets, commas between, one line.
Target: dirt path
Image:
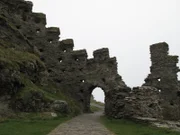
[(86, 124)]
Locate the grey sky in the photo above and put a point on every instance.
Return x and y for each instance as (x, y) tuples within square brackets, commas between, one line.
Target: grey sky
[(126, 27)]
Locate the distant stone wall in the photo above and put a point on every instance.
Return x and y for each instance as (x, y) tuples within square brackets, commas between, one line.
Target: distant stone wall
[(163, 76), (163, 71), (159, 97)]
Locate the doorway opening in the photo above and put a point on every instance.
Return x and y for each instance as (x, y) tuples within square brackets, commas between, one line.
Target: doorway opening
[(97, 102)]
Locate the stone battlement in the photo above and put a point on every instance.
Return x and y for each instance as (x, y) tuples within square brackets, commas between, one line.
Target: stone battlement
[(70, 69)]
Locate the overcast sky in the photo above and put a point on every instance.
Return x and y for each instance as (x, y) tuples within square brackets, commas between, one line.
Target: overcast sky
[(126, 27)]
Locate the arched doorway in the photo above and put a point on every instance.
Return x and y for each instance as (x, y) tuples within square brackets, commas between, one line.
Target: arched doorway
[(99, 95), (97, 102)]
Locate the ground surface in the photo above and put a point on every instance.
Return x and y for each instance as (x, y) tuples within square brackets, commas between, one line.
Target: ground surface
[(37, 126), (128, 127), (86, 124)]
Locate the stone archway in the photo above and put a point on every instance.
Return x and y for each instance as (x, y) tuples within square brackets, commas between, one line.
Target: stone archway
[(87, 98), (114, 91)]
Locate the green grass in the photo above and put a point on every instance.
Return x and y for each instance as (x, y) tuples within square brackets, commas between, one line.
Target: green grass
[(12, 59), (37, 126), (126, 127), (96, 102), (95, 109)]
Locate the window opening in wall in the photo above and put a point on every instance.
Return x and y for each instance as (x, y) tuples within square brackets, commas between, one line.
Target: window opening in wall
[(64, 50), (58, 80), (38, 31), (82, 81), (41, 50), (50, 41), (77, 59), (171, 103), (159, 80), (49, 71), (18, 27), (26, 11), (103, 79), (178, 93), (81, 90), (82, 100), (159, 91), (60, 60), (150, 105), (63, 70)]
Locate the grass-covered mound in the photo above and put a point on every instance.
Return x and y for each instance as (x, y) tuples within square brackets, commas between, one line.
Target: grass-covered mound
[(25, 85)]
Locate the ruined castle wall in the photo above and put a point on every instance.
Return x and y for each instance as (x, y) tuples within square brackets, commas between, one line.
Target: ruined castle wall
[(163, 76), (163, 71), (77, 75), (144, 102), (69, 69), (11, 19), (159, 96)]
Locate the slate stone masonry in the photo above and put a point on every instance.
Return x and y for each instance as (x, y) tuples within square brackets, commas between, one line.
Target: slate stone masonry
[(73, 72)]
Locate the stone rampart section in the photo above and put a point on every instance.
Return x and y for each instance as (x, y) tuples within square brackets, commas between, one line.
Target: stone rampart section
[(78, 76), (163, 76), (70, 69)]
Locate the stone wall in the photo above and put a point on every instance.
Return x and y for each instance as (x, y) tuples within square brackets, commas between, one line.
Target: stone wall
[(163, 71), (70, 69), (163, 76), (75, 74), (144, 101)]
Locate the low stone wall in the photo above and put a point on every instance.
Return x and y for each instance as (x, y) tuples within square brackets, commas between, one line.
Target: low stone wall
[(143, 102)]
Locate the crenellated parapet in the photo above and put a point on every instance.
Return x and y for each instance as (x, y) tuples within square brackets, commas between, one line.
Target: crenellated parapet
[(39, 18), (101, 54), (66, 45)]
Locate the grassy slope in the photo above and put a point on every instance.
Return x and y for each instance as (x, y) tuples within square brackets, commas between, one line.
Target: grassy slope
[(11, 60), (125, 127), (95, 109), (30, 127)]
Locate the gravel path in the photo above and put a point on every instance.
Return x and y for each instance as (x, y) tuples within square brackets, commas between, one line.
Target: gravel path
[(86, 124)]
